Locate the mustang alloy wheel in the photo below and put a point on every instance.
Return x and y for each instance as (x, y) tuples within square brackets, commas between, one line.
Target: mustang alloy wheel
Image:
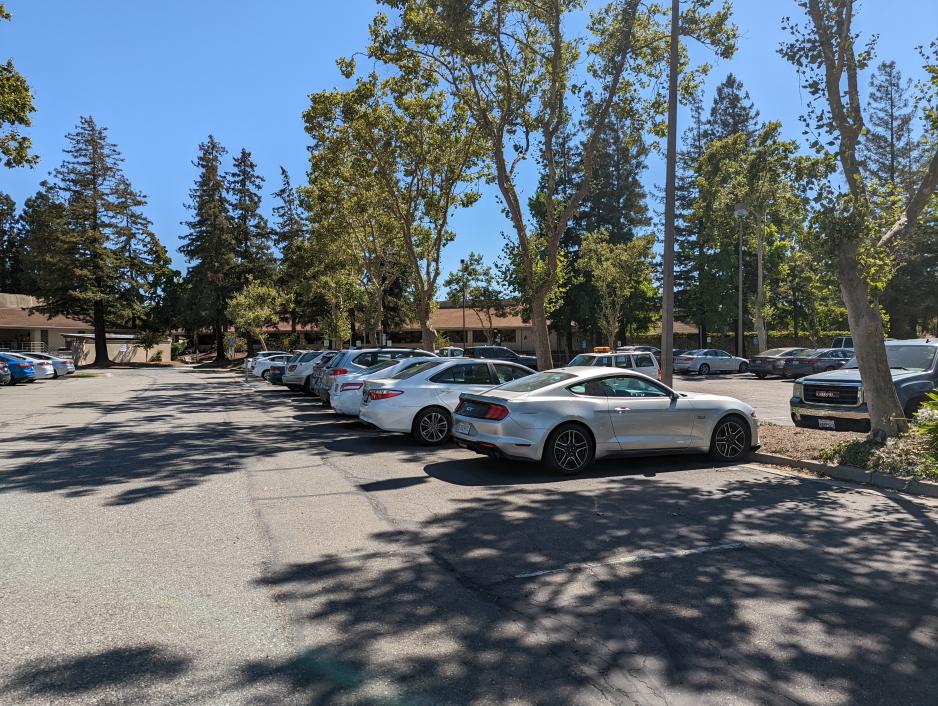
[(431, 427), (731, 439), (569, 449)]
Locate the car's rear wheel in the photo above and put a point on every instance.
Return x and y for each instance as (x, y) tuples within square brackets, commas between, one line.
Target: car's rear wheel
[(744, 367), (294, 388), (12, 381), (307, 389), (731, 440), (432, 426), (704, 369), (761, 376), (569, 449), (266, 375)]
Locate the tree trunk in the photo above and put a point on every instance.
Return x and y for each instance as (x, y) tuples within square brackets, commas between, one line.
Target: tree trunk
[(541, 334), (866, 325), (101, 357), (759, 321), (219, 333), (427, 332)]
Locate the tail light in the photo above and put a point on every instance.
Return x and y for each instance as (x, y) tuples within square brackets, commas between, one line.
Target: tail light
[(659, 374), (383, 394), (338, 371), (351, 386), (496, 412)]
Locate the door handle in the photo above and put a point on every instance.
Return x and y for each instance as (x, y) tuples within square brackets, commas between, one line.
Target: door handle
[(621, 409)]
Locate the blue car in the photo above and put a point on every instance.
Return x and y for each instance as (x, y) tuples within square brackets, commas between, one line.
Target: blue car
[(21, 370)]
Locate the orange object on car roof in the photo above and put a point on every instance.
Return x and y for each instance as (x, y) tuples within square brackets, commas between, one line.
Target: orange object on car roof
[(601, 349)]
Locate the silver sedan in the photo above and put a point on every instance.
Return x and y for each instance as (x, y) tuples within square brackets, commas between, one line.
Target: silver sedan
[(568, 417), (710, 360)]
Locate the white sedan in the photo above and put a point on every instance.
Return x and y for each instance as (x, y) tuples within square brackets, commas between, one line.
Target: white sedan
[(261, 367), (346, 394), (420, 400), (568, 417), (709, 360)]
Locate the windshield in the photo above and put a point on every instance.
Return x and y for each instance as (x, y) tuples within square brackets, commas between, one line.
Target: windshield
[(416, 370), (380, 366), (535, 382), (910, 357), (810, 353), (582, 359)]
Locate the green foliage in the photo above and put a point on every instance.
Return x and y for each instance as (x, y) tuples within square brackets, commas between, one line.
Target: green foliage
[(175, 349), (475, 286), (255, 308), (249, 230), (851, 453), (16, 104), (157, 357), (150, 339), (12, 249), (926, 421)]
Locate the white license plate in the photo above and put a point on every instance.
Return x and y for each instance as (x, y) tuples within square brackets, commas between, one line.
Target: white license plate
[(826, 424), (463, 428)]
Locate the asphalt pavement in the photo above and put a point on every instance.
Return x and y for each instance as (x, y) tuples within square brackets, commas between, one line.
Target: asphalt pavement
[(768, 397), (176, 536)]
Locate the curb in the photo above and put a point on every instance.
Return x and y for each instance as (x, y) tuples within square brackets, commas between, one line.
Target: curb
[(913, 486)]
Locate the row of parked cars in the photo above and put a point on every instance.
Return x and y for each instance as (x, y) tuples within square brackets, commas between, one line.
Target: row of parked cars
[(19, 367), (602, 404)]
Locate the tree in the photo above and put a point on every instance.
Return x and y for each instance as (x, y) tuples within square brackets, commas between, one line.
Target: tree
[(249, 230), (255, 308), (11, 248), (887, 148), (16, 104), (826, 54), (617, 272), (475, 286), (209, 245), (290, 235), (523, 78), (731, 112), (103, 259)]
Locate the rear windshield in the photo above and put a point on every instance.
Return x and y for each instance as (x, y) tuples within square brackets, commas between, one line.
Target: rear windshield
[(910, 357), (380, 366), (773, 352), (582, 359), (417, 369), (810, 353), (535, 382)]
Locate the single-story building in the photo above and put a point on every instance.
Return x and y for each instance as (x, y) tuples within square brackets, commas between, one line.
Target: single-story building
[(23, 330), (121, 348)]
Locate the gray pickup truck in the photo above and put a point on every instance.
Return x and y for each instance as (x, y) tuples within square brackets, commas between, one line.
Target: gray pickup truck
[(834, 400)]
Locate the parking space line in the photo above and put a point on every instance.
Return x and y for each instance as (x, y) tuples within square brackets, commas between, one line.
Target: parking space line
[(635, 558)]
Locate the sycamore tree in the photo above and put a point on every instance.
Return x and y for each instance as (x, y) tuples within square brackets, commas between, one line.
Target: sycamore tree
[(413, 149), (617, 272), (16, 104), (475, 286), (254, 309), (863, 239), (528, 81)]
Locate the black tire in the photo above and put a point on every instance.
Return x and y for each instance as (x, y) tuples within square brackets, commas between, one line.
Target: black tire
[(12, 381), (307, 390), (266, 375), (913, 405), (432, 426), (294, 388), (704, 369), (744, 367), (761, 376), (569, 449), (731, 440), (55, 374)]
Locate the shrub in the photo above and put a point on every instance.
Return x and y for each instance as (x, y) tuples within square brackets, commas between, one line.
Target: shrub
[(926, 421), (157, 357), (851, 453), (175, 349), (909, 454)]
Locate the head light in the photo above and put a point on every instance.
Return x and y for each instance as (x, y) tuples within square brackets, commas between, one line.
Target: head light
[(798, 391)]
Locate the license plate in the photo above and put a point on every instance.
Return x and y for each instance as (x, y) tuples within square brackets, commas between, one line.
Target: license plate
[(826, 424), (828, 394), (463, 428)]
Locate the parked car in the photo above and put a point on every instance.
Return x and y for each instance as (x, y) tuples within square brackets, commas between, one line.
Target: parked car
[(420, 401), (834, 400), (249, 362), (816, 360), (346, 397), (5, 375), (261, 367), (276, 373), (642, 349), (451, 352), (299, 372), (771, 362), (501, 353), (640, 362), (21, 369), (358, 359), (60, 366), (842, 342), (709, 360), (43, 368), (567, 418), (319, 368)]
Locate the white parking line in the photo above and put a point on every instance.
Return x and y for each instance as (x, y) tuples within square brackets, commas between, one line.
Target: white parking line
[(635, 558)]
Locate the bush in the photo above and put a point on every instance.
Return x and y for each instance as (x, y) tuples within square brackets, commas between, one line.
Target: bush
[(157, 357), (175, 349), (912, 454), (851, 453), (926, 421)]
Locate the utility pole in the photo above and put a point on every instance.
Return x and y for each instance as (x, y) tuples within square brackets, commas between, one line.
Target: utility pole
[(741, 213), (667, 280), (465, 332)]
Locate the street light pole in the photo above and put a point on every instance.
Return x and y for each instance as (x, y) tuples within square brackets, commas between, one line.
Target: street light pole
[(465, 333), (667, 279), (741, 213)]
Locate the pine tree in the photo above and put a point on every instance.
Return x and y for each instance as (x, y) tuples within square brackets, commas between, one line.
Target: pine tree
[(209, 245), (42, 225), (249, 229), (16, 103), (105, 258), (731, 112), (890, 154), (11, 250)]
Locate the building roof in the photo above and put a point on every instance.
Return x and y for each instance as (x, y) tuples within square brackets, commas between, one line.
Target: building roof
[(17, 317)]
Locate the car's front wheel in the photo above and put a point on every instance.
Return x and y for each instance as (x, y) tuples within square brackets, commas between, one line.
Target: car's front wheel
[(432, 426), (704, 369), (744, 367), (731, 440), (761, 376), (569, 449)]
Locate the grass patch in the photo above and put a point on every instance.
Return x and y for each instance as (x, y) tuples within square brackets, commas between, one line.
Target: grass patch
[(85, 375)]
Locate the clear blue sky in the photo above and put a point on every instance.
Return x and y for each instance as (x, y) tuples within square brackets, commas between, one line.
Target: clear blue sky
[(163, 75)]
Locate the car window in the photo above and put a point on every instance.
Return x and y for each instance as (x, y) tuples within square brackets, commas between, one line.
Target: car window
[(507, 373), (772, 352), (364, 359), (632, 387), (908, 357), (464, 374), (604, 360), (623, 361), (582, 359), (589, 388), (416, 370), (644, 361), (379, 366), (810, 353), (536, 381), (306, 357)]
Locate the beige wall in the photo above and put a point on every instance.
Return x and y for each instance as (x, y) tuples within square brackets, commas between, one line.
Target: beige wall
[(133, 353)]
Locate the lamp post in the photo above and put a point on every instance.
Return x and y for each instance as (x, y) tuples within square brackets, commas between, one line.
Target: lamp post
[(465, 333), (741, 212)]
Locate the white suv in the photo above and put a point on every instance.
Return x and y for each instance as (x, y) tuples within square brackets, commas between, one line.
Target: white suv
[(298, 375)]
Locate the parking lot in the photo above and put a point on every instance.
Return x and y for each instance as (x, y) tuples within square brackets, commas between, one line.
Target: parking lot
[(768, 397), (180, 536)]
